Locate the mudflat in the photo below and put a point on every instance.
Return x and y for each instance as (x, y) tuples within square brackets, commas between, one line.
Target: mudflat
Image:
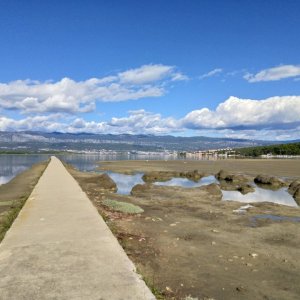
[(189, 244), (275, 167)]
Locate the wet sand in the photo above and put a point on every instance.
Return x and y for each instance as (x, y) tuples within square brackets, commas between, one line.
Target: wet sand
[(190, 243)]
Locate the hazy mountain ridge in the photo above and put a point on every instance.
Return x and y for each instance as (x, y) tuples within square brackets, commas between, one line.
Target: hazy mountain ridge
[(87, 141)]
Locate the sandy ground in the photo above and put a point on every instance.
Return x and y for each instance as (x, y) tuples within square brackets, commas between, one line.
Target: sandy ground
[(190, 243)]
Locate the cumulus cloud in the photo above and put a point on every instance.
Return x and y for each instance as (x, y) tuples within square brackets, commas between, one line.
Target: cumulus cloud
[(147, 121), (275, 73), (136, 122), (274, 112), (212, 73), (70, 96), (271, 118)]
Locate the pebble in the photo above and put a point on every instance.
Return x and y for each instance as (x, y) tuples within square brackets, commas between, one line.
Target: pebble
[(213, 243), (253, 255)]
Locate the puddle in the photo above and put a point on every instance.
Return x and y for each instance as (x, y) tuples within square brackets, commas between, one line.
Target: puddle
[(186, 183), (125, 183), (280, 196), (274, 218), (5, 179)]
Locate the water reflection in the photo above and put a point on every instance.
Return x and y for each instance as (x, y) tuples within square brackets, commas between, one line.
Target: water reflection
[(125, 182), (80, 161), (13, 164), (89, 162), (186, 183), (280, 196)]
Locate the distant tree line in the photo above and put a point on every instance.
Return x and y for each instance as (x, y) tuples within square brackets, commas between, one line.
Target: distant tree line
[(280, 149)]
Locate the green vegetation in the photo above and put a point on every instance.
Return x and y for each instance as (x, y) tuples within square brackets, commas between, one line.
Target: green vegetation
[(8, 218), (124, 207), (152, 286), (280, 149)]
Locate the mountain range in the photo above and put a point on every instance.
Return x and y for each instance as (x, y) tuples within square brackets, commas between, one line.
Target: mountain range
[(57, 141)]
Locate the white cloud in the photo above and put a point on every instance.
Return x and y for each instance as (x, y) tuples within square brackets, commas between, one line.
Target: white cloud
[(70, 96), (212, 73), (273, 74), (246, 113), (272, 118), (140, 121), (136, 122), (150, 73)]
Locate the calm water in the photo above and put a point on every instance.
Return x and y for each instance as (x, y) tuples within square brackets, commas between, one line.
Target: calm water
[(184, 182), (11, 165), (125, 183), (280, 196)]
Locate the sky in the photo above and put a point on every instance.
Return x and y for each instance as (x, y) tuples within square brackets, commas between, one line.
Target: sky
[(186, 68)]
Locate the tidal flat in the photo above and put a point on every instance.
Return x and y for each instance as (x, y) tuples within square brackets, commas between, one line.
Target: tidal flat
[(187, 242)]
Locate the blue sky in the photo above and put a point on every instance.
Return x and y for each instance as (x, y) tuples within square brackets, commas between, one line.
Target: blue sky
[(214, 68)]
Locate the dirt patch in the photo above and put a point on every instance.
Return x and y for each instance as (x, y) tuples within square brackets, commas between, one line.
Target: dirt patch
[(190, 243), (14, 194)]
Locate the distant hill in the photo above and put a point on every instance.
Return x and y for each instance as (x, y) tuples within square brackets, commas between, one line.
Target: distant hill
[(278, 149), (34, 141)]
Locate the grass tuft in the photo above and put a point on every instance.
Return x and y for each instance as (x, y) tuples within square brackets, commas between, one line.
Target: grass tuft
[(124, 207)]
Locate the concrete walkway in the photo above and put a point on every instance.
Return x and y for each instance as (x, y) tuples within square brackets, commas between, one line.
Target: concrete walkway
[(59, 247)]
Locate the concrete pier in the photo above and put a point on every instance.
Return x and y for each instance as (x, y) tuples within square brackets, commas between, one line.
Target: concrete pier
[(59, 247)]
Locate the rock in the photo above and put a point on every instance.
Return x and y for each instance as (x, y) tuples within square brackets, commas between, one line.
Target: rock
[(229, 177), (294, 186), (294, 190), (168, 175), (246, 188), (269, 180), (139, 189), (213, 189), (193, 175), (297, 196), (102, 182), (158, 176)]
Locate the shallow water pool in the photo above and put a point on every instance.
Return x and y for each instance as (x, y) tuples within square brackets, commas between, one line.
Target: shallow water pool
[(186, 183), (280, 196)]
